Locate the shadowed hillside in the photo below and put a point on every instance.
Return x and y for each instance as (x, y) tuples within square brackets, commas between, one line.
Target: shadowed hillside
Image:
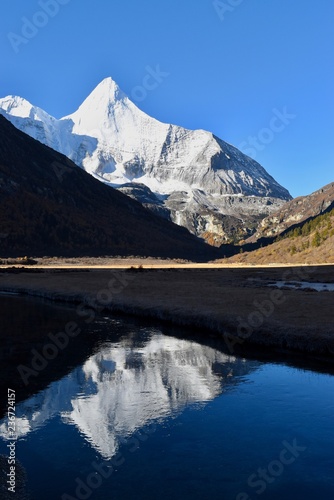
[(49, 206)]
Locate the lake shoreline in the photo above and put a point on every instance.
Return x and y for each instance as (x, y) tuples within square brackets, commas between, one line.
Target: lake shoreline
[(241, 306)]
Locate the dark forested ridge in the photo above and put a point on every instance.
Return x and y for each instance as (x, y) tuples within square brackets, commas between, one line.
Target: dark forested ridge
[(49, 206)]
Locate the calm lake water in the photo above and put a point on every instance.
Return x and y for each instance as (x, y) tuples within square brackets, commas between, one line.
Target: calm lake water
[(129, 410)]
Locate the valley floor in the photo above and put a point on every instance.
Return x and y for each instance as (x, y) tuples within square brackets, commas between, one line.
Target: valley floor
[(237, 261), (242, 306)]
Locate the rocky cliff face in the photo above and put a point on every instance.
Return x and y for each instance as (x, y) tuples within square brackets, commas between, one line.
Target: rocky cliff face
[(296, 211), (192, 177)]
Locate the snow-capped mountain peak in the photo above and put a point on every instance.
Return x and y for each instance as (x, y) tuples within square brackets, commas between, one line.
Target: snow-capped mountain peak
[(200, 178), (101, 102), (19, 107), (109, 89)]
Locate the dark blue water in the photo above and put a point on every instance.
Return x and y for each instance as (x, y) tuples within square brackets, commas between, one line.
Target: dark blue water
[(145, 415)]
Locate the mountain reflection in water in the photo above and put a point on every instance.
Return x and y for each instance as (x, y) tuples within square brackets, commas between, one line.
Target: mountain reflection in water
[(128, 385)]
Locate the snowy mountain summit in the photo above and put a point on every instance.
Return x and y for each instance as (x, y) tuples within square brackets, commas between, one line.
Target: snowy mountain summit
[(190, 176)]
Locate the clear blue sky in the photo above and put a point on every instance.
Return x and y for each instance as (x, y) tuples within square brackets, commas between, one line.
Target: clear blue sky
[(228, 70)]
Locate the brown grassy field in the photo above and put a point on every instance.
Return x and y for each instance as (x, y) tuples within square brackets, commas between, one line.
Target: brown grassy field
[(240, 305)]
